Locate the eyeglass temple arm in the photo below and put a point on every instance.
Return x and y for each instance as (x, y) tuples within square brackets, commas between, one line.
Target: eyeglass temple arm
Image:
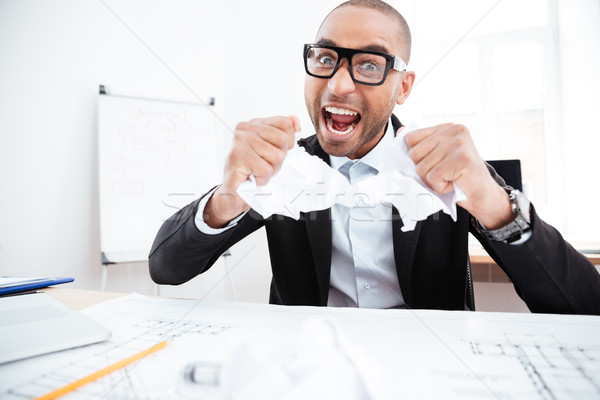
[(399, 64)]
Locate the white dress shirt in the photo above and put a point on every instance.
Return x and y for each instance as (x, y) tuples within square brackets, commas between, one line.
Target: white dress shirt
[(363, 270)]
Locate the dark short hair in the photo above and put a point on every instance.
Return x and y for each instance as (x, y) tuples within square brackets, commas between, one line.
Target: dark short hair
[(386, 9)]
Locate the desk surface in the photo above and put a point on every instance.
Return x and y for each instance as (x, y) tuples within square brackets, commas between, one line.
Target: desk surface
[(467, 355), (479, 256), (78, 299)]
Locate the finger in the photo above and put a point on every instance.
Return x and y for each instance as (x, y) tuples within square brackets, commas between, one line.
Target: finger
[(261, 146), (253, 133), (416, 136), (244, 162), (448, 141), (274, 127), (280, 131), (422, 149), (429, 161), (258, 156), (297, 128), (288, 125), (296, 122), (274, 136), (255, 147), (442, 176), (285, 124)]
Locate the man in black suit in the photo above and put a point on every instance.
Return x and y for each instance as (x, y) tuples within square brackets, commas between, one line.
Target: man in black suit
[(356, 75)]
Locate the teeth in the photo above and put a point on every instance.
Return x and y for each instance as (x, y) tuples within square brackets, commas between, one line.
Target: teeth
[(341, 111)]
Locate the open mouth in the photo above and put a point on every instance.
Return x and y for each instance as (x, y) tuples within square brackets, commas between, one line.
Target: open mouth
[(340, 121)]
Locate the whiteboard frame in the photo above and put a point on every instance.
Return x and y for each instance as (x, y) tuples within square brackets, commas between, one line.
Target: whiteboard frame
[(128, 255)]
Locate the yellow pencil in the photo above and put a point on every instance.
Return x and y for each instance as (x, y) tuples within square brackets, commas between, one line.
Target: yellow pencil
[(99, 374)]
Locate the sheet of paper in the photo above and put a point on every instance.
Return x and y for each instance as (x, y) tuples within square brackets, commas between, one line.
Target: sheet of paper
[(13, 284), (8, 281), (306, 183), (420, 354)]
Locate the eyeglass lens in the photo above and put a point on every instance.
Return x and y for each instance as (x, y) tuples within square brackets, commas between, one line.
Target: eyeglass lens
[(368, 68)]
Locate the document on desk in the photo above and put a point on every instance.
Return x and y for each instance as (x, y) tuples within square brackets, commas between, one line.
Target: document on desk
[(417, 354), (13, 284)]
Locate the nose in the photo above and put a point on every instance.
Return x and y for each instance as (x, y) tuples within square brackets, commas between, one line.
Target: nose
[(341, 82)]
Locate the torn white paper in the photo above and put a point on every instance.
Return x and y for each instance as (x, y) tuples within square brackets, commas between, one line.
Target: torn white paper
[(319, 363), (306, 183)]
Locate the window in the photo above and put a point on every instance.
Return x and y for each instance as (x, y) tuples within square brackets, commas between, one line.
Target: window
[(492, 66)]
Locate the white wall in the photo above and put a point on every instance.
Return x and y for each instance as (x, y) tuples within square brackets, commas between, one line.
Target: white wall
[(54, 56), (579, 39), (246, 54), (264, 67)]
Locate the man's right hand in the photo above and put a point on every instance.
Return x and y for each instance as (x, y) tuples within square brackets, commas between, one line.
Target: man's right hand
[(259, 148)]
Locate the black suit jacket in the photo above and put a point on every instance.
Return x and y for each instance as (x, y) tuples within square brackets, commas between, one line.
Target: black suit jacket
[(431, 261)]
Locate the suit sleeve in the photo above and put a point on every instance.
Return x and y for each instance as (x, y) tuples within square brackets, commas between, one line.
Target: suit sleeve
[(180, 251), (547, 272)]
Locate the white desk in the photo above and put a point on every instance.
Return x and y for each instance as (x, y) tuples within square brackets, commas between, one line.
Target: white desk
[(419, 354)]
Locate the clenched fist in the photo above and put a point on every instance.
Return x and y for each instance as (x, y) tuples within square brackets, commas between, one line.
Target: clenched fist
[(259, 148), (444, 154)]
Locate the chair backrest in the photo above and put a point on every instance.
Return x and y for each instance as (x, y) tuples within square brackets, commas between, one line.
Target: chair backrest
[(510, 171)]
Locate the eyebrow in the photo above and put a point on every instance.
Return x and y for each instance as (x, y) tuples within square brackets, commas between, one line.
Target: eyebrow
[(371, 47)]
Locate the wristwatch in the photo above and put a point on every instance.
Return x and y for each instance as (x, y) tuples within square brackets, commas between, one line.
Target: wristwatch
[(512, 231)]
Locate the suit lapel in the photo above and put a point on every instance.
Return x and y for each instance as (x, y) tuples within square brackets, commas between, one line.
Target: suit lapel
[(318, 227), (405, 244)]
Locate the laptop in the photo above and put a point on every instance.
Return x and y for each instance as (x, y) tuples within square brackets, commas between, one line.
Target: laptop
[(35, 324)]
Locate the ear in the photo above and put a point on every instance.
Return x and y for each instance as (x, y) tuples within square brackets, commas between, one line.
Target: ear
[(406, 84)]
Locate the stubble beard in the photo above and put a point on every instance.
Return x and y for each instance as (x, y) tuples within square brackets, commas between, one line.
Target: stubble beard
[(371, 125)]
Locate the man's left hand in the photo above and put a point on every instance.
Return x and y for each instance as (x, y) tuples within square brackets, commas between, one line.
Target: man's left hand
[(445, 154)]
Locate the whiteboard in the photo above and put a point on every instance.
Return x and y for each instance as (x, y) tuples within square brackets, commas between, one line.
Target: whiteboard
[(154, 158)]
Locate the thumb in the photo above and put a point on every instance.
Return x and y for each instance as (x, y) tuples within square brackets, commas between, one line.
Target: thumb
[(297, 128), (399, 131), (296, 122)]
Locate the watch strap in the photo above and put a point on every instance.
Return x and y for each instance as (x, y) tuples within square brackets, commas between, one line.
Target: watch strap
[(512, 231)]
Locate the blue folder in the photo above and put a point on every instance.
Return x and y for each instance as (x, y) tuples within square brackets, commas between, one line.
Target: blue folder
[(27, 284)]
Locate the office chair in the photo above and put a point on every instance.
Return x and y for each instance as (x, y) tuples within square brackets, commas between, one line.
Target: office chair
[(510, 171)]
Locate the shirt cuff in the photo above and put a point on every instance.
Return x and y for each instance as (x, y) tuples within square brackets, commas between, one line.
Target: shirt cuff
[(201, 224)]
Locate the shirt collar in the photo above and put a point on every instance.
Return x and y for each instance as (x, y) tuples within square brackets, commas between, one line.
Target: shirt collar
[(374, 157)]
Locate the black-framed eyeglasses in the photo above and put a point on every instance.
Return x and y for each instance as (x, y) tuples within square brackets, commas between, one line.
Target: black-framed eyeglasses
[(366, 67)]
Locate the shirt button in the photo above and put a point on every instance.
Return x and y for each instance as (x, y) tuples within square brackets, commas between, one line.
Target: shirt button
[(367, 285)]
